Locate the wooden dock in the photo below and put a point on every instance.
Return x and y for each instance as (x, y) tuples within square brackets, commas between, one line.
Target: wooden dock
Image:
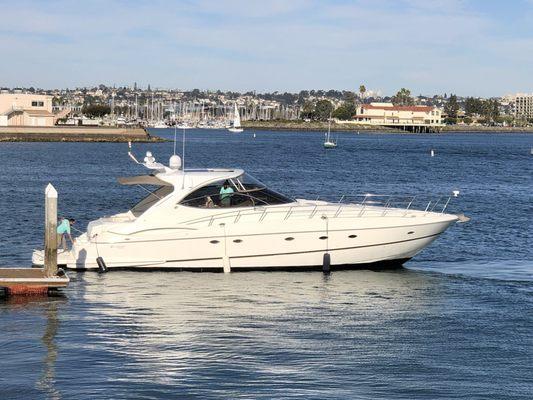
[(30, 281), (38, 281)]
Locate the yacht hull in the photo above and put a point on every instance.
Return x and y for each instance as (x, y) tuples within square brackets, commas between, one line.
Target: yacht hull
[(239, 247)]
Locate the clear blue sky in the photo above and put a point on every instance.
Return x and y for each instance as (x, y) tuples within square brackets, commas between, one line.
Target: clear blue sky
[(470, 47)]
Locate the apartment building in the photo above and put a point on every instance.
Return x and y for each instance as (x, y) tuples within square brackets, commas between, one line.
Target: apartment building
[(523, 106)]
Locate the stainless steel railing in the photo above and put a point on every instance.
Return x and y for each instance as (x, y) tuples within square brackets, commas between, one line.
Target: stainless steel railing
[(348, 206)]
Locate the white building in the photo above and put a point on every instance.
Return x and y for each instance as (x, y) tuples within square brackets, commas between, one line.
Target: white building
[(387, 114)]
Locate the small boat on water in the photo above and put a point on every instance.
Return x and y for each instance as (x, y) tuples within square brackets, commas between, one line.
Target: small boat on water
[(329, 143), (159, 125), (184, 125), (235, 127), (225, 219)]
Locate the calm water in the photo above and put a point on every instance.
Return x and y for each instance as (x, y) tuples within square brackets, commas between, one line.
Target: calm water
[(456, 322)]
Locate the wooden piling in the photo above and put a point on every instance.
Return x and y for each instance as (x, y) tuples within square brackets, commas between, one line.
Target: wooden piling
[(50, 231)]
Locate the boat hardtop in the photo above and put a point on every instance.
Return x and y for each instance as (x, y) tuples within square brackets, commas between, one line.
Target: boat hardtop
[(181, 178)]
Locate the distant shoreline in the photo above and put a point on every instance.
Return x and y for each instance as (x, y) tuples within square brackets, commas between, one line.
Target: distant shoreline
[(323, 126), (121, 135), (75, 134)]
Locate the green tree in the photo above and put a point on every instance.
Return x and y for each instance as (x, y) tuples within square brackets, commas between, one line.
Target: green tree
[(362, 91), (323, 110), (491, 110), (345, 112), (308, 110), (96, 110), (473, 106), (349, 97), (452, 107), (403, 98)]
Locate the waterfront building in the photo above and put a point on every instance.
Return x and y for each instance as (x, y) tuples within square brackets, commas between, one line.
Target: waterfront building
[(523, 106), (415, 118), (26, 109)]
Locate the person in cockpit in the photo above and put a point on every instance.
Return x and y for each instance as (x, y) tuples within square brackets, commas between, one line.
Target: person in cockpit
[(226, 191)]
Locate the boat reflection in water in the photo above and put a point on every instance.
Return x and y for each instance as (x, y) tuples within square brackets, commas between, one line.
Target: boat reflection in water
[(190, 328)]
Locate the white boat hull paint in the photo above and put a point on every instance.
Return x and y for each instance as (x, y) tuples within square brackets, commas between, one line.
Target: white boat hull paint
[(247, 242)]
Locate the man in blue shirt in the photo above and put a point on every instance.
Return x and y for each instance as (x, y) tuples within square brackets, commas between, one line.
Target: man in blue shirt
[(226, 191), (63, 230)]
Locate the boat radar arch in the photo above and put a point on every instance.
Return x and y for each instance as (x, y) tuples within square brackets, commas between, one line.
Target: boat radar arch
[(150, 162)]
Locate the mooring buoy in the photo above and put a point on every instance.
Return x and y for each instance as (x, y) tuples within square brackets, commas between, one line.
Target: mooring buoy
[(102, 268), (326, 262)]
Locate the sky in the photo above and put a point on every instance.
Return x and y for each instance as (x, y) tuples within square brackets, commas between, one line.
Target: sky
[(467, 47)]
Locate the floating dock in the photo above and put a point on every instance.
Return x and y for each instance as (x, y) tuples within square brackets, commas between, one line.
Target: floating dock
[(38, 281)]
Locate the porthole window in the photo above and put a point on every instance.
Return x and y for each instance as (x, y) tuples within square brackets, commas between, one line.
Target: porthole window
[(323, 237), (352, 236), (214, 241), (410, 232), (289, 238), (237, 241)]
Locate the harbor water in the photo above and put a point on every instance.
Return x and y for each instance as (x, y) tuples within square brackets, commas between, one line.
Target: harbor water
[(455, 322)]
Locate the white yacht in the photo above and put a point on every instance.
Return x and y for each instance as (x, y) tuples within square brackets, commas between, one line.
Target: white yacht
[(187, 222), (236, 125), (159, 125), (184, 125)]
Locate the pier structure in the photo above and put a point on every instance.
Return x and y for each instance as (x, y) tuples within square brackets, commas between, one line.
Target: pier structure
[(38, 281)]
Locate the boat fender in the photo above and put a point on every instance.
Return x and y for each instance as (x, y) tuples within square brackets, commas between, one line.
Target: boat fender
[(102, 268), (326, 261)]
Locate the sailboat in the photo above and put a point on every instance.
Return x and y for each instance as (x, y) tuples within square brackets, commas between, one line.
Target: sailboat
[(236, 127), (329, 143)]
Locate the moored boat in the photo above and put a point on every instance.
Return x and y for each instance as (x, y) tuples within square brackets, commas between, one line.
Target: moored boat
[(224, 219), (236, 127)]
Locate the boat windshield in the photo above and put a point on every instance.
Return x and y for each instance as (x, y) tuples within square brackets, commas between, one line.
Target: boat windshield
[(154, 195), (242, 191)]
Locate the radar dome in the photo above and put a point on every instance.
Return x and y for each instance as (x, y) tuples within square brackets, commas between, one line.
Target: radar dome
[(174, 162)]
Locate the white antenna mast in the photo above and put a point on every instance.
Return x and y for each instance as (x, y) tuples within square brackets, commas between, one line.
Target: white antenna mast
[(183, 151), (183, 158), (175, 129)]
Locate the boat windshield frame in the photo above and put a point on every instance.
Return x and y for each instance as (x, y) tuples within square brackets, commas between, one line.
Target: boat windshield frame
[(153, 197), (247, 192), (245, 183)]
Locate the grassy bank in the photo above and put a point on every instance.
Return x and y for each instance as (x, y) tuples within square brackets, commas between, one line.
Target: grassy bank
[(74, 134), (299, 125), (496, 129), (311, 126)]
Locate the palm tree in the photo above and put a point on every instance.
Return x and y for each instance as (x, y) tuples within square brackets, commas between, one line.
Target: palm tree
[(362, 91)]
